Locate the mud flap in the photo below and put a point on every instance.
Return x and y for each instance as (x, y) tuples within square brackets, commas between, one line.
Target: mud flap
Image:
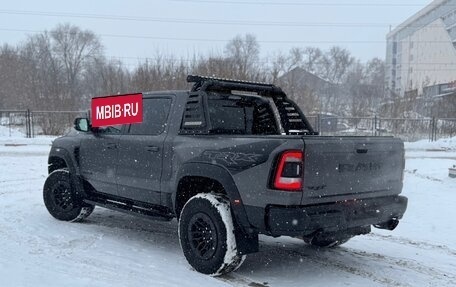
[(246, 243)]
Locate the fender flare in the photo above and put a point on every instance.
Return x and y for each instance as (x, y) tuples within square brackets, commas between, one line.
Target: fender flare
[(224, 177), (73, 168)]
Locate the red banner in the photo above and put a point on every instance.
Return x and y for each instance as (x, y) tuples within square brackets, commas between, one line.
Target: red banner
[(117, 110)]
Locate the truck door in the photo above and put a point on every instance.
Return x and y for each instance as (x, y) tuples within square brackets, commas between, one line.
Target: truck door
[(139, 168), (98, 156)]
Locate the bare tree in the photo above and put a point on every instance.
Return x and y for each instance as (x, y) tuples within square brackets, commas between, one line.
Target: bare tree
[(244, 52), (300, 85), (42, 73), (160, 74), (359, 97), (10, 78), (104, 77), (277, 68), (74, 48), (364, 83), (335, 63), (311, 57), (217, 66)]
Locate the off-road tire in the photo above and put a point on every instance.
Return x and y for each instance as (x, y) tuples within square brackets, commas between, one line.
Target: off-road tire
[(206, 235), (61, 200)]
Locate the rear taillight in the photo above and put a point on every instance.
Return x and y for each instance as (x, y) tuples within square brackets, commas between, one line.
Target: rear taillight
[(289, 171)]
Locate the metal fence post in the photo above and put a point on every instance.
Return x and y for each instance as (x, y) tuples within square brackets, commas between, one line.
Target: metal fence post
[(379, 127), (432, 128), (436, 126), (32, 124), (374, 127), (9, 123), (28, 130)]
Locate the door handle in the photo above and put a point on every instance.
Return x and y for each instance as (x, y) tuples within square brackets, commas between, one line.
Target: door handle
[(152, 148)]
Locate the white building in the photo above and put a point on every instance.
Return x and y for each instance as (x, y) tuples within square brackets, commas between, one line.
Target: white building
[(421, 52)]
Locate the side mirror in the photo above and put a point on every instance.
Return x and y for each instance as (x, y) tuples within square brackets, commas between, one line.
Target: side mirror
[(81, 124)]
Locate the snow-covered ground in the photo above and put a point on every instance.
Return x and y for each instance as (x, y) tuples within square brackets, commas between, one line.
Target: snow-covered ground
[(114, 249)]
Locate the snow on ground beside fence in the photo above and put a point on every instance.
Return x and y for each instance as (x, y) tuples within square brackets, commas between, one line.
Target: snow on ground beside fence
[(6, 131), (14, 137), (441, 144)]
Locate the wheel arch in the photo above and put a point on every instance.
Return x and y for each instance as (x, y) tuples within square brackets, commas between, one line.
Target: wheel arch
[(209, 174), (62, 158), (56, 162)]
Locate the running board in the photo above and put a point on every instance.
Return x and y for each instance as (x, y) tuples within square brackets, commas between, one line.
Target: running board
[(130, 209)]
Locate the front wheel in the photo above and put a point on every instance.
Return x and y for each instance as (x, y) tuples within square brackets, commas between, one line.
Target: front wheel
[(61, 200), (206, 235)]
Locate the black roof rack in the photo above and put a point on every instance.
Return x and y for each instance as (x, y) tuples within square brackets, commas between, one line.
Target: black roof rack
[(292, 118), (203, 82)]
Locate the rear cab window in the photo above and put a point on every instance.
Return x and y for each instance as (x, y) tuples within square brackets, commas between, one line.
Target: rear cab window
[(239, 114)]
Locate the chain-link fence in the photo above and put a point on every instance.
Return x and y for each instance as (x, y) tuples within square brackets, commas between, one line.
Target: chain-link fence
[(445, 127), (14, 123), (53, 122), (406, 129), (35, 123)]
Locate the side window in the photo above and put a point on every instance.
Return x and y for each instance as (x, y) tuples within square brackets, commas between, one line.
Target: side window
[(155, 115), (111, 130)]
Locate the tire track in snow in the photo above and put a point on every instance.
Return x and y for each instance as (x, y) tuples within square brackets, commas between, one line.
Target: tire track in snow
[(422, 176), (236, 280), (321, 259), (14, 184), (414, 243), (330, 258), (410, 264), (20, 180)]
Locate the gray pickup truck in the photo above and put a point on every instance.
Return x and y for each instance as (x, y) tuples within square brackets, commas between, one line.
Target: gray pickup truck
[(230, 160)]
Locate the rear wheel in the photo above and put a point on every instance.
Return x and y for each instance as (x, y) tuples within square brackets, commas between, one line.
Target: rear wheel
[(61, 200), (206, 235)]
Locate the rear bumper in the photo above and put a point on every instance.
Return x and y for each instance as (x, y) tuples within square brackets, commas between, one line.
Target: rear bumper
[(343, 215)]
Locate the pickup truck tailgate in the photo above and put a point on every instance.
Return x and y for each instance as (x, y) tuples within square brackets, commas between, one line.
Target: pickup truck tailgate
[(347, 168)]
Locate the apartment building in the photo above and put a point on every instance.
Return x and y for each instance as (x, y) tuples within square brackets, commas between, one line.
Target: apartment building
[(421, 52)]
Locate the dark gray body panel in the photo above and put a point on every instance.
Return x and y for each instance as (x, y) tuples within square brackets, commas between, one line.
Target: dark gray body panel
[(98, 161)]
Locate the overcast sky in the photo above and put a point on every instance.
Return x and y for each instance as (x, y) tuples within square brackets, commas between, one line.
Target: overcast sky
[(138, 28)]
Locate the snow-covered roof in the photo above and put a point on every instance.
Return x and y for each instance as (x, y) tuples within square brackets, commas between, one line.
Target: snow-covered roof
[(444, 95)]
